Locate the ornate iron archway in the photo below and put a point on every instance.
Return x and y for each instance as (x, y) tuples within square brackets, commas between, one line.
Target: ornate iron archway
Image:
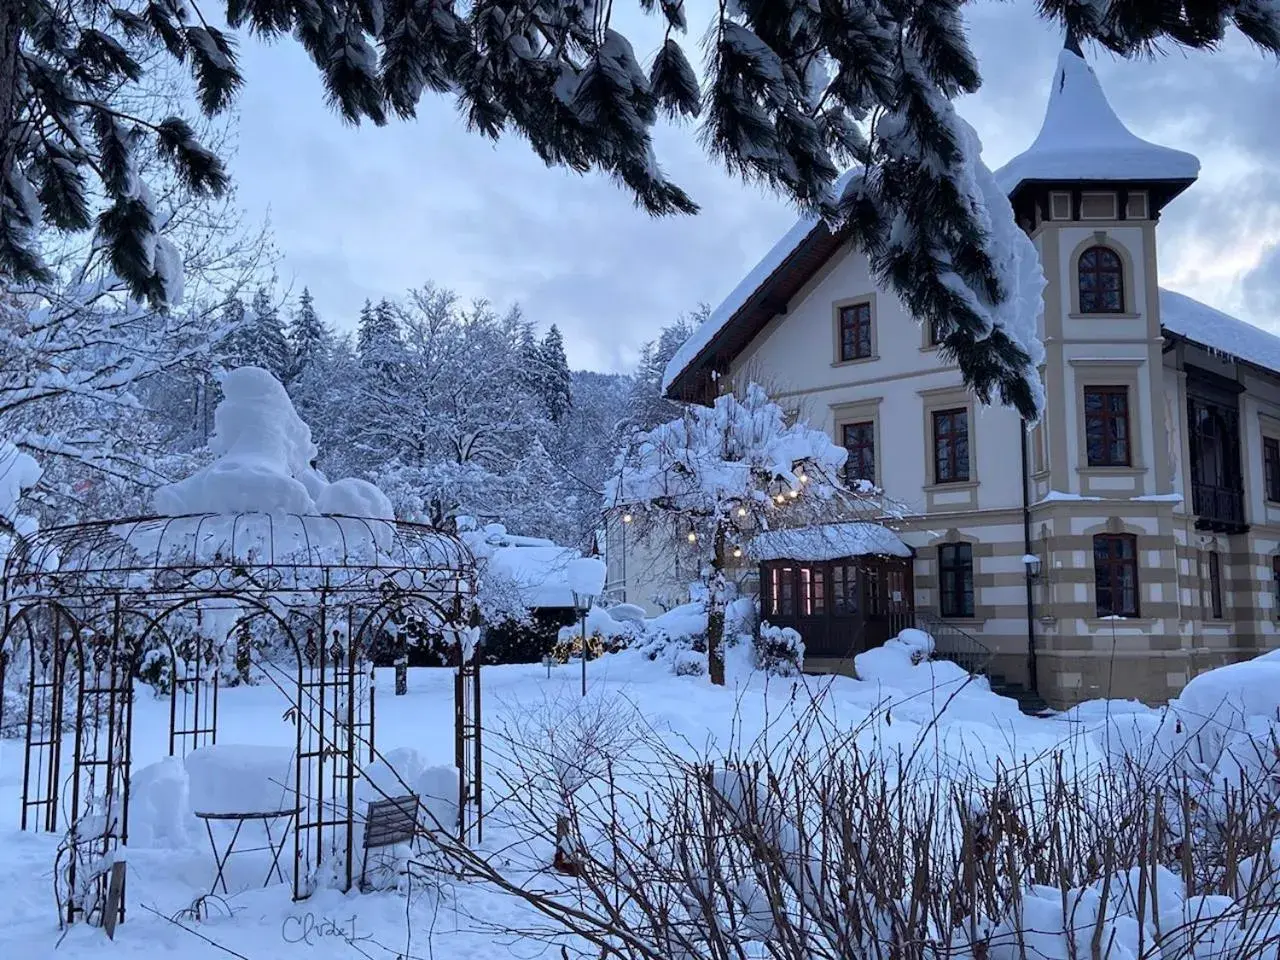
[(85, 604)]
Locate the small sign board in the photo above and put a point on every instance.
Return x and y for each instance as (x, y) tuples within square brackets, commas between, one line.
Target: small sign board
[(115, 894)]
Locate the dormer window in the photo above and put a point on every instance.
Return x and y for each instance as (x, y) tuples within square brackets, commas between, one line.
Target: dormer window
[(1101, 281)]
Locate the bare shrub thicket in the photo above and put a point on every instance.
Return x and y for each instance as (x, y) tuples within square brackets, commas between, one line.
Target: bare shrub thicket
[(820, 843)]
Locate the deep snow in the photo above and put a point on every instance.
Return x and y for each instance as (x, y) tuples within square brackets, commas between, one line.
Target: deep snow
[(175, 866)]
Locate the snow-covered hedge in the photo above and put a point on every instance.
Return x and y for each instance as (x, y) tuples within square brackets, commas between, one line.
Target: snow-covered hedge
[(778, 650)]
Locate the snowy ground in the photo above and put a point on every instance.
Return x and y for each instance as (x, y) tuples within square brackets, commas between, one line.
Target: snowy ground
[(451, 922)]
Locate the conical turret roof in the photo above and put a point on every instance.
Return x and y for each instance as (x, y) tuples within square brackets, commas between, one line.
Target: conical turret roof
[(1082, 139)]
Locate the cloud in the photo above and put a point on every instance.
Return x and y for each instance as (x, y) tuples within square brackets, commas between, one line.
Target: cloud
[(1262, 285), (368, 212)]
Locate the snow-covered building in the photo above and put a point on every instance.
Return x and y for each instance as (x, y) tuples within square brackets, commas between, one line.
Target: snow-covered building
[(1132, 538)]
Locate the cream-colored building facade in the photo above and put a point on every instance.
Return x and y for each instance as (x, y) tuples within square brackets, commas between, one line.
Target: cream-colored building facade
[(1131, 538)]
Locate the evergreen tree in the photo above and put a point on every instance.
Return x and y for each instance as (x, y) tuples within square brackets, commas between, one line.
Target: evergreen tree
[(237, 345), (378, 337), (794, 93), (308, 338), (648, 405), (554, 382), (270, 346)]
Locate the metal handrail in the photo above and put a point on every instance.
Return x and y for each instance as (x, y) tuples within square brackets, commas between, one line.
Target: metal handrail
[(952, 643)]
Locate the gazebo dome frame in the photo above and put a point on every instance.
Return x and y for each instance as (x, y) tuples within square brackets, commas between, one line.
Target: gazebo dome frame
[(83, 602)]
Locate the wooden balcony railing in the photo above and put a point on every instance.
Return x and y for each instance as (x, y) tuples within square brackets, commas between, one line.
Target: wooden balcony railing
[(1218, 508)]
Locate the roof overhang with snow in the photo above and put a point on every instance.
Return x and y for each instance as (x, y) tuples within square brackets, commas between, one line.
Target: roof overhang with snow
[(831, 541), (764, 293)]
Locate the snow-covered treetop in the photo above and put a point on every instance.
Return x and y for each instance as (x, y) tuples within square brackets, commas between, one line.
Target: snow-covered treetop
[(1083, 139), (739, 452)]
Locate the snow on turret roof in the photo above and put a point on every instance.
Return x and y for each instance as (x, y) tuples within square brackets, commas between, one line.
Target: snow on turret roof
[(1219, 332), (1083, 139)]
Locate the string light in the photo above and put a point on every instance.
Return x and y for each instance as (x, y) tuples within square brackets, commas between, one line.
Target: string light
[(793, 494), (780, 498), (737, 551), (693, 537), (804, 478), (627, 518), (742, 511)]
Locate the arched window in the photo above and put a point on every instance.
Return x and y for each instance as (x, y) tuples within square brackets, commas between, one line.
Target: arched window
[(1101, 281)]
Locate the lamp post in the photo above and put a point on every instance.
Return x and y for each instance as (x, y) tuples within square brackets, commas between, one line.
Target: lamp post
[(586, 576)]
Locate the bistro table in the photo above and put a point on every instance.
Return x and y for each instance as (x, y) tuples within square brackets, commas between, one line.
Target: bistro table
[(274, 845)]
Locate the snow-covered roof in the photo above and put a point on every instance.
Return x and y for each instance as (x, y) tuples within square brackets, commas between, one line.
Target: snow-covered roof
[(536, 567), (829, 541), (737, 298), (538, 573), (1218, 331), (1083, 139)]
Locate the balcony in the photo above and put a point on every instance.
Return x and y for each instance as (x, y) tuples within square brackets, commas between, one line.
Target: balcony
[(1219, 509)]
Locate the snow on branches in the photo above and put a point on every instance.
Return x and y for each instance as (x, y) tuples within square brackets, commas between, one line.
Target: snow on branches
[(727, 466), (718, 475)]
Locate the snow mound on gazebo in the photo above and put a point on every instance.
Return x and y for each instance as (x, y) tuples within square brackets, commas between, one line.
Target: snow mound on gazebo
[(829, 541), (263, 467)]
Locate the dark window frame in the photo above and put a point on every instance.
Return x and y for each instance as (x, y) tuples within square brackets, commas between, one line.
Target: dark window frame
[(856, 338), (955, 580), (1115, 426), (948, 465), (1100, 262), (1271, 468), (1215, 584), (863, 445), (1275, 585), (1120, 559), (935, 333)]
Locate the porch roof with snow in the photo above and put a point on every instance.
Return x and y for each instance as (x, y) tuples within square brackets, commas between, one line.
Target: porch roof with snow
[(830, 541)]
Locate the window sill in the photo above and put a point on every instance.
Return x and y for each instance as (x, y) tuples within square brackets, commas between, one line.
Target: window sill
[(1112, 471), (1104, 316), (856, 360), (951, 485), (1124, 623)]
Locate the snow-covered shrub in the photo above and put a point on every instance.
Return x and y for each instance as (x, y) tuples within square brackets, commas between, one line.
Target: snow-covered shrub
[(156, 670), (604, 635), (672, 636), (779, 651), (821, 844)]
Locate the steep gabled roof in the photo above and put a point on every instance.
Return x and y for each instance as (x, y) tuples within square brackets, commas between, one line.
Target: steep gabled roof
[(1082, 139), (762, 294)]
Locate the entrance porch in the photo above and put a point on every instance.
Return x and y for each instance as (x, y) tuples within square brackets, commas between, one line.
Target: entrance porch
[(844, 588)]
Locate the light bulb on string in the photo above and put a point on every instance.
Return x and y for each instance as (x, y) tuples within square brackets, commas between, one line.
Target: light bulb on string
[(737, 551), (793, 494), (627, 518), (693, 537), (742, 511)]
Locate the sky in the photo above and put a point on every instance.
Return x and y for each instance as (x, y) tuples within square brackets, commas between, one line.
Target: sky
[(363, 213)]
